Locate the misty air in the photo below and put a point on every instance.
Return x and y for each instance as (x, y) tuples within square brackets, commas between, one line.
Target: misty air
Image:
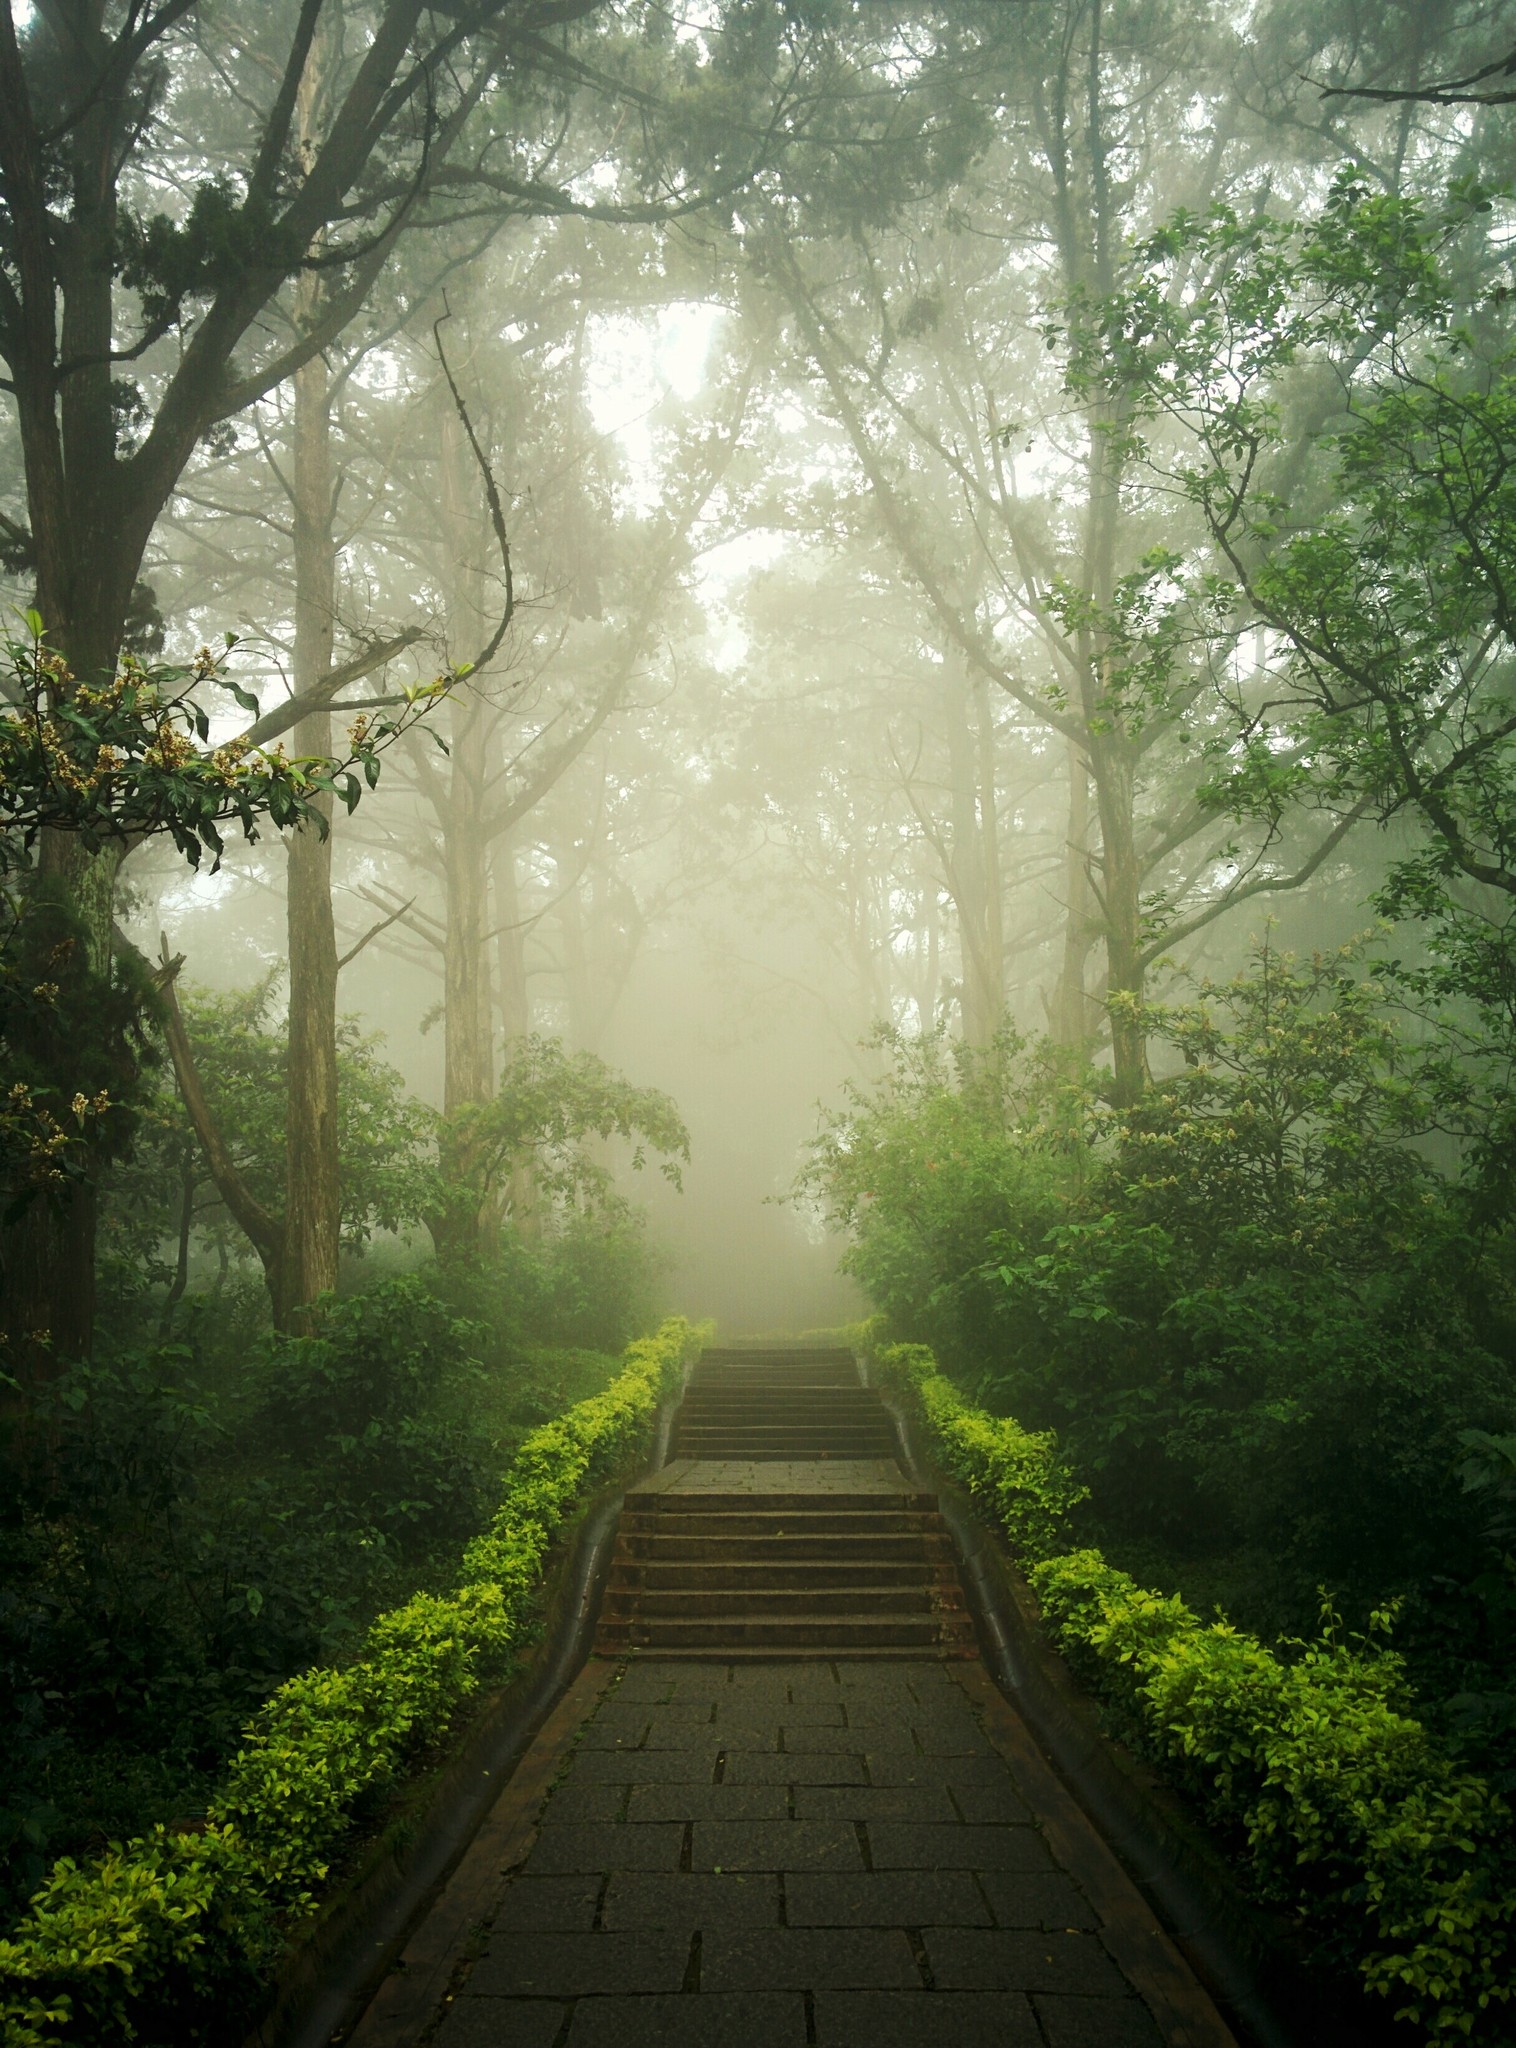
[(757, 1024)]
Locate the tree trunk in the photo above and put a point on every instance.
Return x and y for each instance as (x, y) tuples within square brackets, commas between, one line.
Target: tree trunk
[(1120, 887), (515, 1018), (973, 876), (1069, 1013), (49, 1252), (468, 1064), (312, 1191)]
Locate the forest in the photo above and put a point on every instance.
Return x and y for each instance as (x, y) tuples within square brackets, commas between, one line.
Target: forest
[(794, 660)]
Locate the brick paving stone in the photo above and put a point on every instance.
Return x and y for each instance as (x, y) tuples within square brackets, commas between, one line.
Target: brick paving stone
[(562, 1905), (1036, 1899), (948, 1735), (869, 1712), (776, 1845), (897, 1845), (619, 1730), (800, 1741), (865, 1841), (900, 1767), (655, 1687), (748, 1769), (712, 1802), (692, 1898), (873, 1802), (730, 1734), (644, 1767), (571, 1965), (929, 1735), (772, 2019), (808, 1959), (989, 1805), (625, 1847), (501, 2023), (1097, 2023), (784, 1679), (894, 1898), (971, 1959), (582, 1803), (924, 2019)]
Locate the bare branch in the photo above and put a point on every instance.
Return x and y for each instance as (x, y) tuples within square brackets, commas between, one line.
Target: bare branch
[(372, 933)]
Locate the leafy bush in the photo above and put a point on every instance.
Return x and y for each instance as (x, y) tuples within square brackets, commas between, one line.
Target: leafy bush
[(1347, 1810), (1250, 1306), (167, 1935), (1015, 1473), (589, 1280)]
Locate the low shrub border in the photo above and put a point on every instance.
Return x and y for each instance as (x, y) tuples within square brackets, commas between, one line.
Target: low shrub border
[(159, 1930), (1347, 1812)]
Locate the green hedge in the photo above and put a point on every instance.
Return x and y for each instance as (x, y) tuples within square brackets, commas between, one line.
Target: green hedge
[(146, 1940), (1350, 1814)]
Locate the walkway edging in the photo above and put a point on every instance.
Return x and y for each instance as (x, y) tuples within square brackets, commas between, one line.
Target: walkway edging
[(1177, 1999), (410, 1996), (330, 1976), (1219, 1932)]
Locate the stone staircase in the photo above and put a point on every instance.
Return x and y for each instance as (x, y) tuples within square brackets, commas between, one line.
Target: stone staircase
[(704, 1568), (780, 1404)]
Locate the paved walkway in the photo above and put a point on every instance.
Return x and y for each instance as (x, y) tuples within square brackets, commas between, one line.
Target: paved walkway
[(763, 1856), (856, 1854)]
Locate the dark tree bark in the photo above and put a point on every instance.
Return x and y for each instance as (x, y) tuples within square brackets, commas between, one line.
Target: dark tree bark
[(312, 1197)]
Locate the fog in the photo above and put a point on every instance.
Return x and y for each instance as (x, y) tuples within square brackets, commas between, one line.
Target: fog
[(815, 666), (759, 465)]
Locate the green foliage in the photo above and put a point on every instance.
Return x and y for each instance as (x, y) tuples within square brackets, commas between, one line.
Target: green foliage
[(72, 1045), (1248, 1304), (954, 1148), (129, 756), (1347, 445), (1349, 1812), (588, 1280), (242, 1057), (168, 1932), (1016, 1474), (214, 1518), (1346, 1809), (529, 1146)]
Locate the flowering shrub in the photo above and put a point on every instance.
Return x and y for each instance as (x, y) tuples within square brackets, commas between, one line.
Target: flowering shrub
[(151, 1938)]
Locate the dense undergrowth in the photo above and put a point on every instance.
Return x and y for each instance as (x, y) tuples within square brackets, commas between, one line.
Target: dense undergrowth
[(1264, 1313), (205, 1507), (1274, 1335), (1308, 1756), (171, 1934), (221, 1510)]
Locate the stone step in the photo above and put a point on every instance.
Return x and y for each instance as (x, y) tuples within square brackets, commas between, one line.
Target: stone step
[(658, 1603), (800, 1653), (825, 1632), (794, 1414), (772, 1373), (682, 1521), (798, 1573), (792, 1501), (724, 1447), (783, 1549), (727, 1575), (763, 1390), (784, 1423), (783, 1427)]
